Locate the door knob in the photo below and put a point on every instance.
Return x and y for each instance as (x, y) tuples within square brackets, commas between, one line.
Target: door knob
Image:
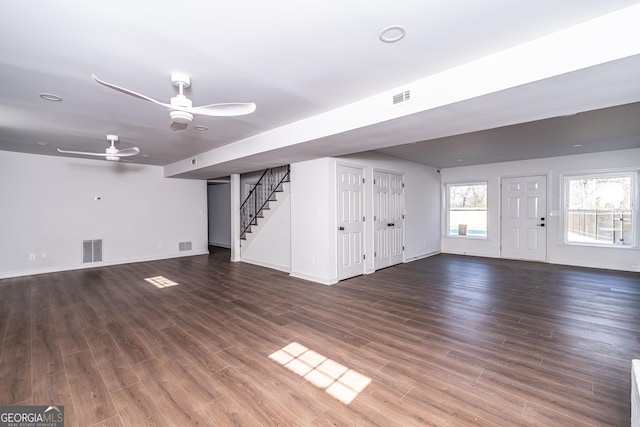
[(390, 224), (341, 228)]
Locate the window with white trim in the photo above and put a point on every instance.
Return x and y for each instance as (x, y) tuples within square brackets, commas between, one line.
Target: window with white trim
[(467, 209), (600, 209)]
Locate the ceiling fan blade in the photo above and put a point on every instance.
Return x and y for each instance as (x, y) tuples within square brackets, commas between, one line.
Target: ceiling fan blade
[(122, 153), (129, 92), (82, 153), (178, 126), (125, 160), (125, 152), (224, 110)]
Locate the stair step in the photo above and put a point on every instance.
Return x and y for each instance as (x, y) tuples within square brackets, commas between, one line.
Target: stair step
[(274, 189)]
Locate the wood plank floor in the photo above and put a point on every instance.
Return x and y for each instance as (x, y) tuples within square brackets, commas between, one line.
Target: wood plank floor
[(443, 341)]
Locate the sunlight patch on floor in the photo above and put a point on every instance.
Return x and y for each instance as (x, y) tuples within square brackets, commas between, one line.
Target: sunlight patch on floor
[(336, 379), (160, 282)]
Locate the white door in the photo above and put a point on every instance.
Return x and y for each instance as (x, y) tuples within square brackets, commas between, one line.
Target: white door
[(396, 219), (350, 222), (524, 214), (388, 207)]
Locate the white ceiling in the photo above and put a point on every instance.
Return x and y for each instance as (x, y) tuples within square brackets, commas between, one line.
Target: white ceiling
[(295, 60)]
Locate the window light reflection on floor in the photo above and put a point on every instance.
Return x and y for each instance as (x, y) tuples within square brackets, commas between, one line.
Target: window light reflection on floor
[(160, 282), (336, 379)]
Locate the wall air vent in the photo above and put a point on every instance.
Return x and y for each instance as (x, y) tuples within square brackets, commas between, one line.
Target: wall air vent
[(184, 246), (401, 97), (91, 251)]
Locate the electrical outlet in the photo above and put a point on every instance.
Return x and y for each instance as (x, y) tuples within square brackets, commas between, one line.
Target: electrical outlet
[(43, 255), (32, 257)]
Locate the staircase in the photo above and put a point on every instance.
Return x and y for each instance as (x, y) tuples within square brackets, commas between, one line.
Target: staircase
[(257, 202)]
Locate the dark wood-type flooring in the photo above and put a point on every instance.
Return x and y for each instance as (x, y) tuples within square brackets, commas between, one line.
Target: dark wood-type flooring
[(443, 341)]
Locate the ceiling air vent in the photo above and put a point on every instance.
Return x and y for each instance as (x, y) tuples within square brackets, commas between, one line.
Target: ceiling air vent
[(401, 97)]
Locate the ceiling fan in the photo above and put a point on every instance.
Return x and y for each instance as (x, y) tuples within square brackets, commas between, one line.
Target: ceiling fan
[(181, 109), (111, 153)]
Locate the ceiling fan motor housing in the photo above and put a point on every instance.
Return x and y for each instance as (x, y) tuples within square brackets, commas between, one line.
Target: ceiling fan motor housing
[(178, 115)]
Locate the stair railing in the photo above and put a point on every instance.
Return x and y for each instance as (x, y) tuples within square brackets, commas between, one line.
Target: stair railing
[(260, 195)]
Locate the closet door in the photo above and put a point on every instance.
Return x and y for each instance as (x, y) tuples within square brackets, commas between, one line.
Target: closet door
[(388, 219), (350, 222)]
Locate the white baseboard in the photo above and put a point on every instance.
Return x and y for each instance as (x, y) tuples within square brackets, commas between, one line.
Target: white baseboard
[(315, 279), (59, 268), (478, 254), (220, 245), (635, 393), (284, 268), (606, 265), (427, 255)]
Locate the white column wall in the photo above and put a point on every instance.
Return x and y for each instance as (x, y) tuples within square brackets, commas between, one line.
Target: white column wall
[(235, 216), (313, 221)]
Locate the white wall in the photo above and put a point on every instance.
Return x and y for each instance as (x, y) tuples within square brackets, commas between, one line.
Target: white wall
[(557, 251), (47, 208), (313, 237), (219, 205), (313, 212)]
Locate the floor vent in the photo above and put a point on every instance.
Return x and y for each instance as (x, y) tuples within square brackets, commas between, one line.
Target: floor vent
[(402, 97), (184, 246), (91, 251)]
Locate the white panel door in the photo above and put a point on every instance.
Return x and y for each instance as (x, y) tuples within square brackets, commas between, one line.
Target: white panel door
[(350, 222), (524, 207), (396, 215), (380, 220), (388, 209)]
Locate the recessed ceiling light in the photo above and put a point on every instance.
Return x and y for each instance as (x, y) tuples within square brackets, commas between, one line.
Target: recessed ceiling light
[(392, 33), (42, 143), (201, 128), (576, 145), (458, 160), (50, 97), (144, 155)]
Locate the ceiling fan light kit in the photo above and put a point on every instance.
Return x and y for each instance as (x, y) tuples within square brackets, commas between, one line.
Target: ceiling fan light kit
[(180, 116)]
